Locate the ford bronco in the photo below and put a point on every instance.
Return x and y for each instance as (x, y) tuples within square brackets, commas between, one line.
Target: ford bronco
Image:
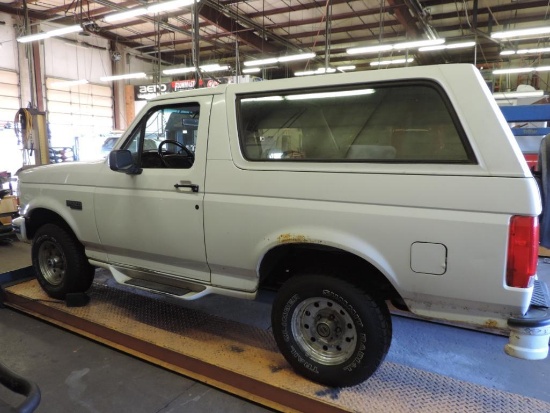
[(343, 192)]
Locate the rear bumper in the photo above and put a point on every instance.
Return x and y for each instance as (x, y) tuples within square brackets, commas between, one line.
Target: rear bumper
[(530, 333)]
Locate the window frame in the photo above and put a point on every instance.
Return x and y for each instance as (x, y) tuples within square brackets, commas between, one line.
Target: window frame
[(141, 126), (471, 159)]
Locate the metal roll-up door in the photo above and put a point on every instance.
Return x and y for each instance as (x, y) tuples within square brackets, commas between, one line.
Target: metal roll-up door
[(79, 115), (9, 98)]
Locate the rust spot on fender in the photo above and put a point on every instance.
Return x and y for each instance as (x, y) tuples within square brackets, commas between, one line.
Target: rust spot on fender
[(286, 238), (491, 323)]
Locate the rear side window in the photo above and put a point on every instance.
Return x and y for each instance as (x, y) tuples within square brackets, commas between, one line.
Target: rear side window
[(405, 122)]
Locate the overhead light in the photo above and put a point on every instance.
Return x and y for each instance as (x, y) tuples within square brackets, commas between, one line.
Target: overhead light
[(214, 68), (521, 70), (292, 58), (397, 46), (525, 51), (344, 68), (178, 70), (320, 71), (205, 68), (156, 8), (52, 33), (392, 62), (534, 31), (137, 11), (513, 70), (251, 70), (272, 60), (126, 76), (369, 49), (68, 83), (447, 46), (169, 5), (419, 43), (261, 62), (515, 95)]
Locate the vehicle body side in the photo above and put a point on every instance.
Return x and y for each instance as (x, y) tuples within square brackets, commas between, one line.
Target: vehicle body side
[(430, 235)]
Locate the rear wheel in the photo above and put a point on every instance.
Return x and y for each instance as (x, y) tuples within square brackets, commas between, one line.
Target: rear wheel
[(329, 330), (59, 262)]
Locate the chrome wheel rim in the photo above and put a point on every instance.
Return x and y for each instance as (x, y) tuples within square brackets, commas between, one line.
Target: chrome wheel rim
[(52, 262), (324, 330)]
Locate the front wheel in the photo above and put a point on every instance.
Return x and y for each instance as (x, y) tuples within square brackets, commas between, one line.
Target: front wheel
[(59, 262), (330, 331)]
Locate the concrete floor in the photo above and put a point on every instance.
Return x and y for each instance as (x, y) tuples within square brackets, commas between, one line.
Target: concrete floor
[(78, 375)]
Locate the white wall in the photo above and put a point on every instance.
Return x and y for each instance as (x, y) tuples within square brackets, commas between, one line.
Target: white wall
[(8, 50), (63, 60)]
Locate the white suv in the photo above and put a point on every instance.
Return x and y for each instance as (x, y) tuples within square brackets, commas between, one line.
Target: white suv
[(341, 191)]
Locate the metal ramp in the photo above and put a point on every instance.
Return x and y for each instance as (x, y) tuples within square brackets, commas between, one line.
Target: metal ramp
[(244, 360)]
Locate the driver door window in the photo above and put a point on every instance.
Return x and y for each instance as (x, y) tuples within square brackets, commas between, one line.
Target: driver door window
[(166, 137)]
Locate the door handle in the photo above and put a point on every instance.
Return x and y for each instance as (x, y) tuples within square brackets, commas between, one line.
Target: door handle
[(194, 188)]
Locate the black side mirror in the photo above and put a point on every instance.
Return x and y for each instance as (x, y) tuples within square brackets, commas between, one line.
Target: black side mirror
[(122, 161)]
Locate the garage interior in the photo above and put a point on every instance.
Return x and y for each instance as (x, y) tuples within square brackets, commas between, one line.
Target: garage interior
[(78, 90)]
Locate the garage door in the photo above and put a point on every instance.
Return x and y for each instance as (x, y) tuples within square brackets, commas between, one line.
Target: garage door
[(9, 97), (78, 111)]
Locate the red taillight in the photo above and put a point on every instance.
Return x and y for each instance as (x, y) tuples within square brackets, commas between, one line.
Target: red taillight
[(523, 246)]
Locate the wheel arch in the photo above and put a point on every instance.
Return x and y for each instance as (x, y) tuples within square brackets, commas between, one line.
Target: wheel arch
[(40, 216), (285, 261)]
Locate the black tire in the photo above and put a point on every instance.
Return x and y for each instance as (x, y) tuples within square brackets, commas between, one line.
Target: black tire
[(60, 263), (330, 331)]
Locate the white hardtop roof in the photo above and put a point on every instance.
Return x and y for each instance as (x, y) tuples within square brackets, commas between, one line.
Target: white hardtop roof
[(415, 72)]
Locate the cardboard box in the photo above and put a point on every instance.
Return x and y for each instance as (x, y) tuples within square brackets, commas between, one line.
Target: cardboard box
[(8, 205)]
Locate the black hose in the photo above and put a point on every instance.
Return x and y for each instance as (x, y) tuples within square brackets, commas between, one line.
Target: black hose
[(22, 386)]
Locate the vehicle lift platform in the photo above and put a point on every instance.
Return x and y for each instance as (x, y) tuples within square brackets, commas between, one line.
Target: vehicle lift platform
[(244, 359)]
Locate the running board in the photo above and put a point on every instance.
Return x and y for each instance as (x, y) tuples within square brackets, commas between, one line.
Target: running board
[(181, 293)]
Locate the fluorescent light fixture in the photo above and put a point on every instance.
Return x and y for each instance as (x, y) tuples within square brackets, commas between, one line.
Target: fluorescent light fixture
[(392, 62), (252, 70), (515, 95), (534, 51), (320, 71), (521, 70), (344, 68), (261, 62), (535, 31), (446, 46), (525, 51), (289, 58), (397, 46), (69, 83), (418, 43), (178, 70), (214, 68), (513, 70), (136, 11), (342, 93), (292, 58), (52, 33), (169, 5), (126, 76), (206, 68), (369, 49)]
